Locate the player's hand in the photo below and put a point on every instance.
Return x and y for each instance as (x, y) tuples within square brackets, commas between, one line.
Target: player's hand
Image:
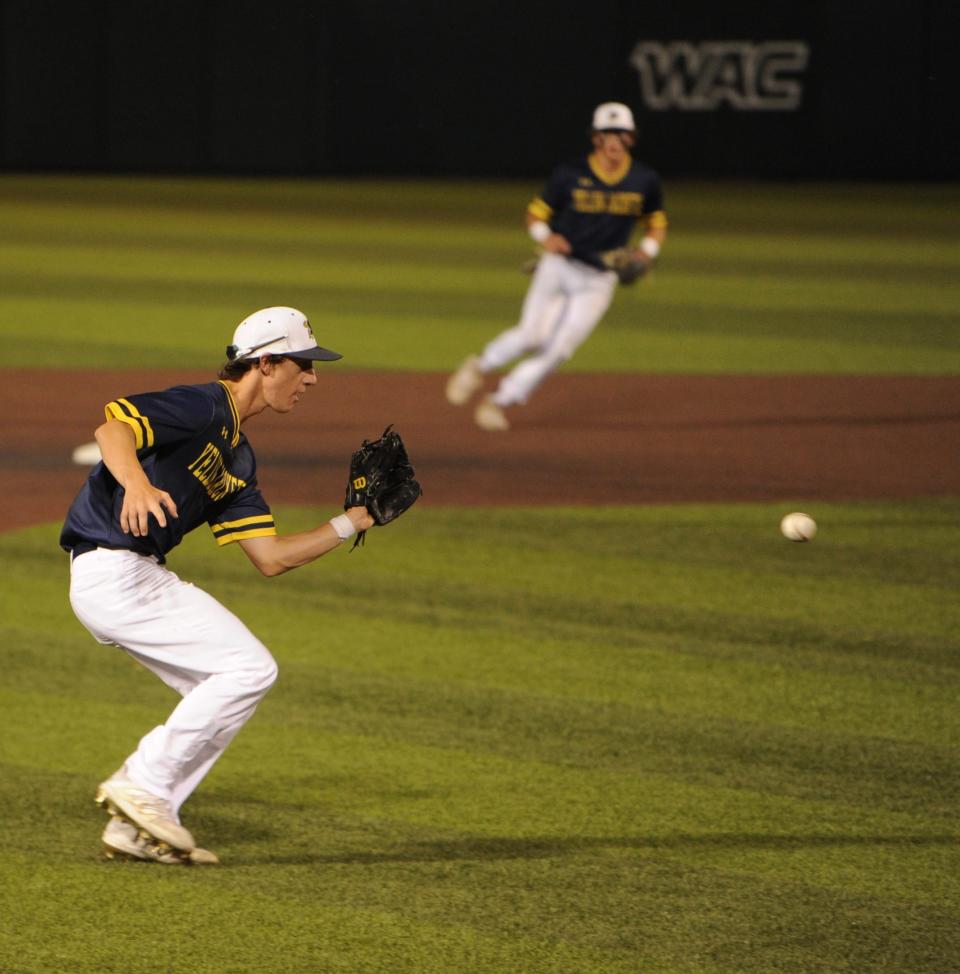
[(139, 502), (361, 518), (556, 243)]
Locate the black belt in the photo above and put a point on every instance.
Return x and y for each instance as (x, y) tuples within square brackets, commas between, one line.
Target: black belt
[(82, 547)]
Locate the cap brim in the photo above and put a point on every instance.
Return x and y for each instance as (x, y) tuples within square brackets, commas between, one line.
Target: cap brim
[(317, 354)]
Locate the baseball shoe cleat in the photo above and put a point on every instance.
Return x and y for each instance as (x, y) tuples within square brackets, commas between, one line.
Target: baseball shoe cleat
[(464, 382), (123, 840), (122, 798), (491, 417)]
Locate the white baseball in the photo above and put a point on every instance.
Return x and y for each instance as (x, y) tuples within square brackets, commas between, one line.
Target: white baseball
[(86, 455), (798, 527)]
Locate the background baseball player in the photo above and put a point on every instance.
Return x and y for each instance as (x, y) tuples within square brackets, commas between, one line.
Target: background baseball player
[(587, 209), (172, 461)]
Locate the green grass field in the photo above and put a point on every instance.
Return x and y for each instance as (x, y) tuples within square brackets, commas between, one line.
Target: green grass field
[(656, 740), (693, 747)]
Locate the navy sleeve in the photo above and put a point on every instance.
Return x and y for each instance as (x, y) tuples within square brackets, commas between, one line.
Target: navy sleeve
[(653, 200), (556, 193), (157, 418), (244, 515)]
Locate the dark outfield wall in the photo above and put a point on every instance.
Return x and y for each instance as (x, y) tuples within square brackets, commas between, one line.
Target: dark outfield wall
[(425, 87)]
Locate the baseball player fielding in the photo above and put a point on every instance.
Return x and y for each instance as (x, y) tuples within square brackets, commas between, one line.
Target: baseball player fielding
[(122, 525), (587, 211), (798, 527)]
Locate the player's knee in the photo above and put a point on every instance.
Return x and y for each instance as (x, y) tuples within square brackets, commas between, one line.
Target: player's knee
[(267, 674), (260, 675), (556, 356)]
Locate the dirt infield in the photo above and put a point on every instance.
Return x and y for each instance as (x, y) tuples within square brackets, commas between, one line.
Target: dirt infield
[(584, 439)]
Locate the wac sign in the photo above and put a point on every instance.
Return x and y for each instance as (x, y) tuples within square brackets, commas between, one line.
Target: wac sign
[(700, 77)]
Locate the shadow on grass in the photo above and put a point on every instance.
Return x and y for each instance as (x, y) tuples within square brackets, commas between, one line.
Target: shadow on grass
[(497, 848)]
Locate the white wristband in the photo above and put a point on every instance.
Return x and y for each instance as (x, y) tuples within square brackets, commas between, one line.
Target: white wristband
[(540, 231), (650, 246), (343, 526)]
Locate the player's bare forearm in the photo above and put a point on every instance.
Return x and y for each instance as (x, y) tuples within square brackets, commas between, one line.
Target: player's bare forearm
[(277, 554), (119, 451), (140, 498)]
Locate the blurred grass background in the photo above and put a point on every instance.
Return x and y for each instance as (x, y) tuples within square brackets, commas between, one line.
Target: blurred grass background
[(409, 275), (655, 739)]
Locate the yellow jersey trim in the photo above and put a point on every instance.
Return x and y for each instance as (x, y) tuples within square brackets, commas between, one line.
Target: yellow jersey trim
[(136, 414), (656, 220), (611, 179), (540, 210), (113, 411), (235, 439), (243, 535), (254, 519)]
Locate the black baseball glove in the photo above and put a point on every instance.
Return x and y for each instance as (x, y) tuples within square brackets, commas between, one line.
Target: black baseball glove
[(381, 480), (626, 263)]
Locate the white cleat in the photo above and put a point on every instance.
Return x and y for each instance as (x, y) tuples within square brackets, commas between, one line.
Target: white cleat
[(148, 812), (491, 417), (464, 382), (123, 840)]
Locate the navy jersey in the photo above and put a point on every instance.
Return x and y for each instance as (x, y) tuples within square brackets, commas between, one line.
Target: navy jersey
[(597, 211), (189, 443)]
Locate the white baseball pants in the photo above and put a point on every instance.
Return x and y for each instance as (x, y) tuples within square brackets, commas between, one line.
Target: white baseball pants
[(564, 303), (195, 645)]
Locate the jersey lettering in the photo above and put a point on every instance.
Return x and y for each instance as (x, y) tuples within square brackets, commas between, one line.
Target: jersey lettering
[(626, 204), (211, 470), (598, 201)]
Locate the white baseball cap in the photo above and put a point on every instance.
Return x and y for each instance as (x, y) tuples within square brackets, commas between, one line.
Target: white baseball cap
[(613, 115), (277, 331)]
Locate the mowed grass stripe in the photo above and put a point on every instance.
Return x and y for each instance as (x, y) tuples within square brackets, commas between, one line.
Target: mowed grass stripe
[(848, 208), (726, 271), (372, 798), (457, 924), (752, 681), (187, 278), (414, 275), (689, 743), (686, 726), (424, 839), (119, 230)]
